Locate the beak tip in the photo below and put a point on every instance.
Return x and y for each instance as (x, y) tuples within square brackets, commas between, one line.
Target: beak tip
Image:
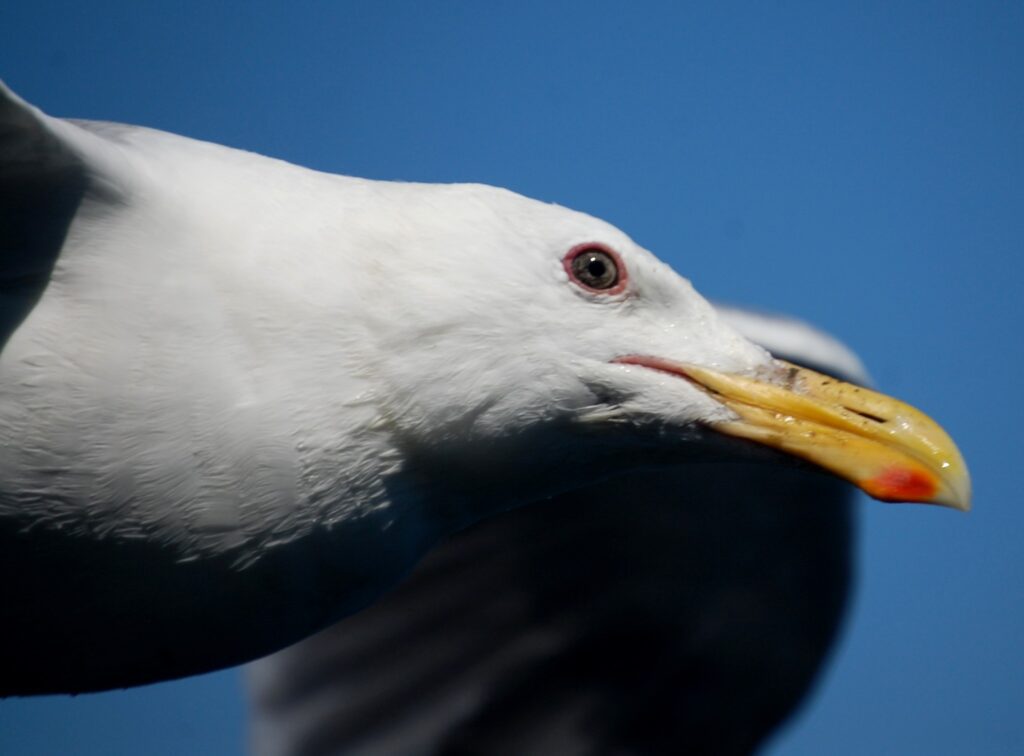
[(950, 501), (955, 491), (959, 497)]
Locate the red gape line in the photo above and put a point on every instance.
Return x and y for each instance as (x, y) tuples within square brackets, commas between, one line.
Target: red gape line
[(654, 363), (901, 484)]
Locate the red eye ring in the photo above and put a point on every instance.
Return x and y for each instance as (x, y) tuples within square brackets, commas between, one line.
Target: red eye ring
[(588, 280)]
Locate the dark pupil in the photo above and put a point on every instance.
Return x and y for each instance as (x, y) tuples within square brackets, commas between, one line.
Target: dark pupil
[(595, 270)]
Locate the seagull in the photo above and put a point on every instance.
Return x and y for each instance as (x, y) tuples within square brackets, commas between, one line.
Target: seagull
[(240, 399)]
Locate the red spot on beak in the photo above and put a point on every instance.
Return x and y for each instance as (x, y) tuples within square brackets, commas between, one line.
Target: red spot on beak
[(901, 484)]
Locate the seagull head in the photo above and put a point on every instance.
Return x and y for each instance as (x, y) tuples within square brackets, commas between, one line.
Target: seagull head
[(511, 330)]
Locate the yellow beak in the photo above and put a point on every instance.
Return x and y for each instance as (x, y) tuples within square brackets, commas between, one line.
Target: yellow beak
[(889, 449)]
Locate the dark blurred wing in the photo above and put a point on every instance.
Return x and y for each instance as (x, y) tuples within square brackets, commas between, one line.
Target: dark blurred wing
[(680, 612)]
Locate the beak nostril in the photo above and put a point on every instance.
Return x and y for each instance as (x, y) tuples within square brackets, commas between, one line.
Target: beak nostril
[(867, 415)]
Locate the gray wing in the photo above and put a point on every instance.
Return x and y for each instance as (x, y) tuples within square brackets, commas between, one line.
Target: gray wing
[(49, 171), (681, 612)]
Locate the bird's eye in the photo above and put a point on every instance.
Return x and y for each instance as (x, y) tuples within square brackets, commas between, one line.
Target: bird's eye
[(595, 268)]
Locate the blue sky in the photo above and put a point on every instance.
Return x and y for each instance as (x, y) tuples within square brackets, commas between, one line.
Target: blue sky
[(861, 167)]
